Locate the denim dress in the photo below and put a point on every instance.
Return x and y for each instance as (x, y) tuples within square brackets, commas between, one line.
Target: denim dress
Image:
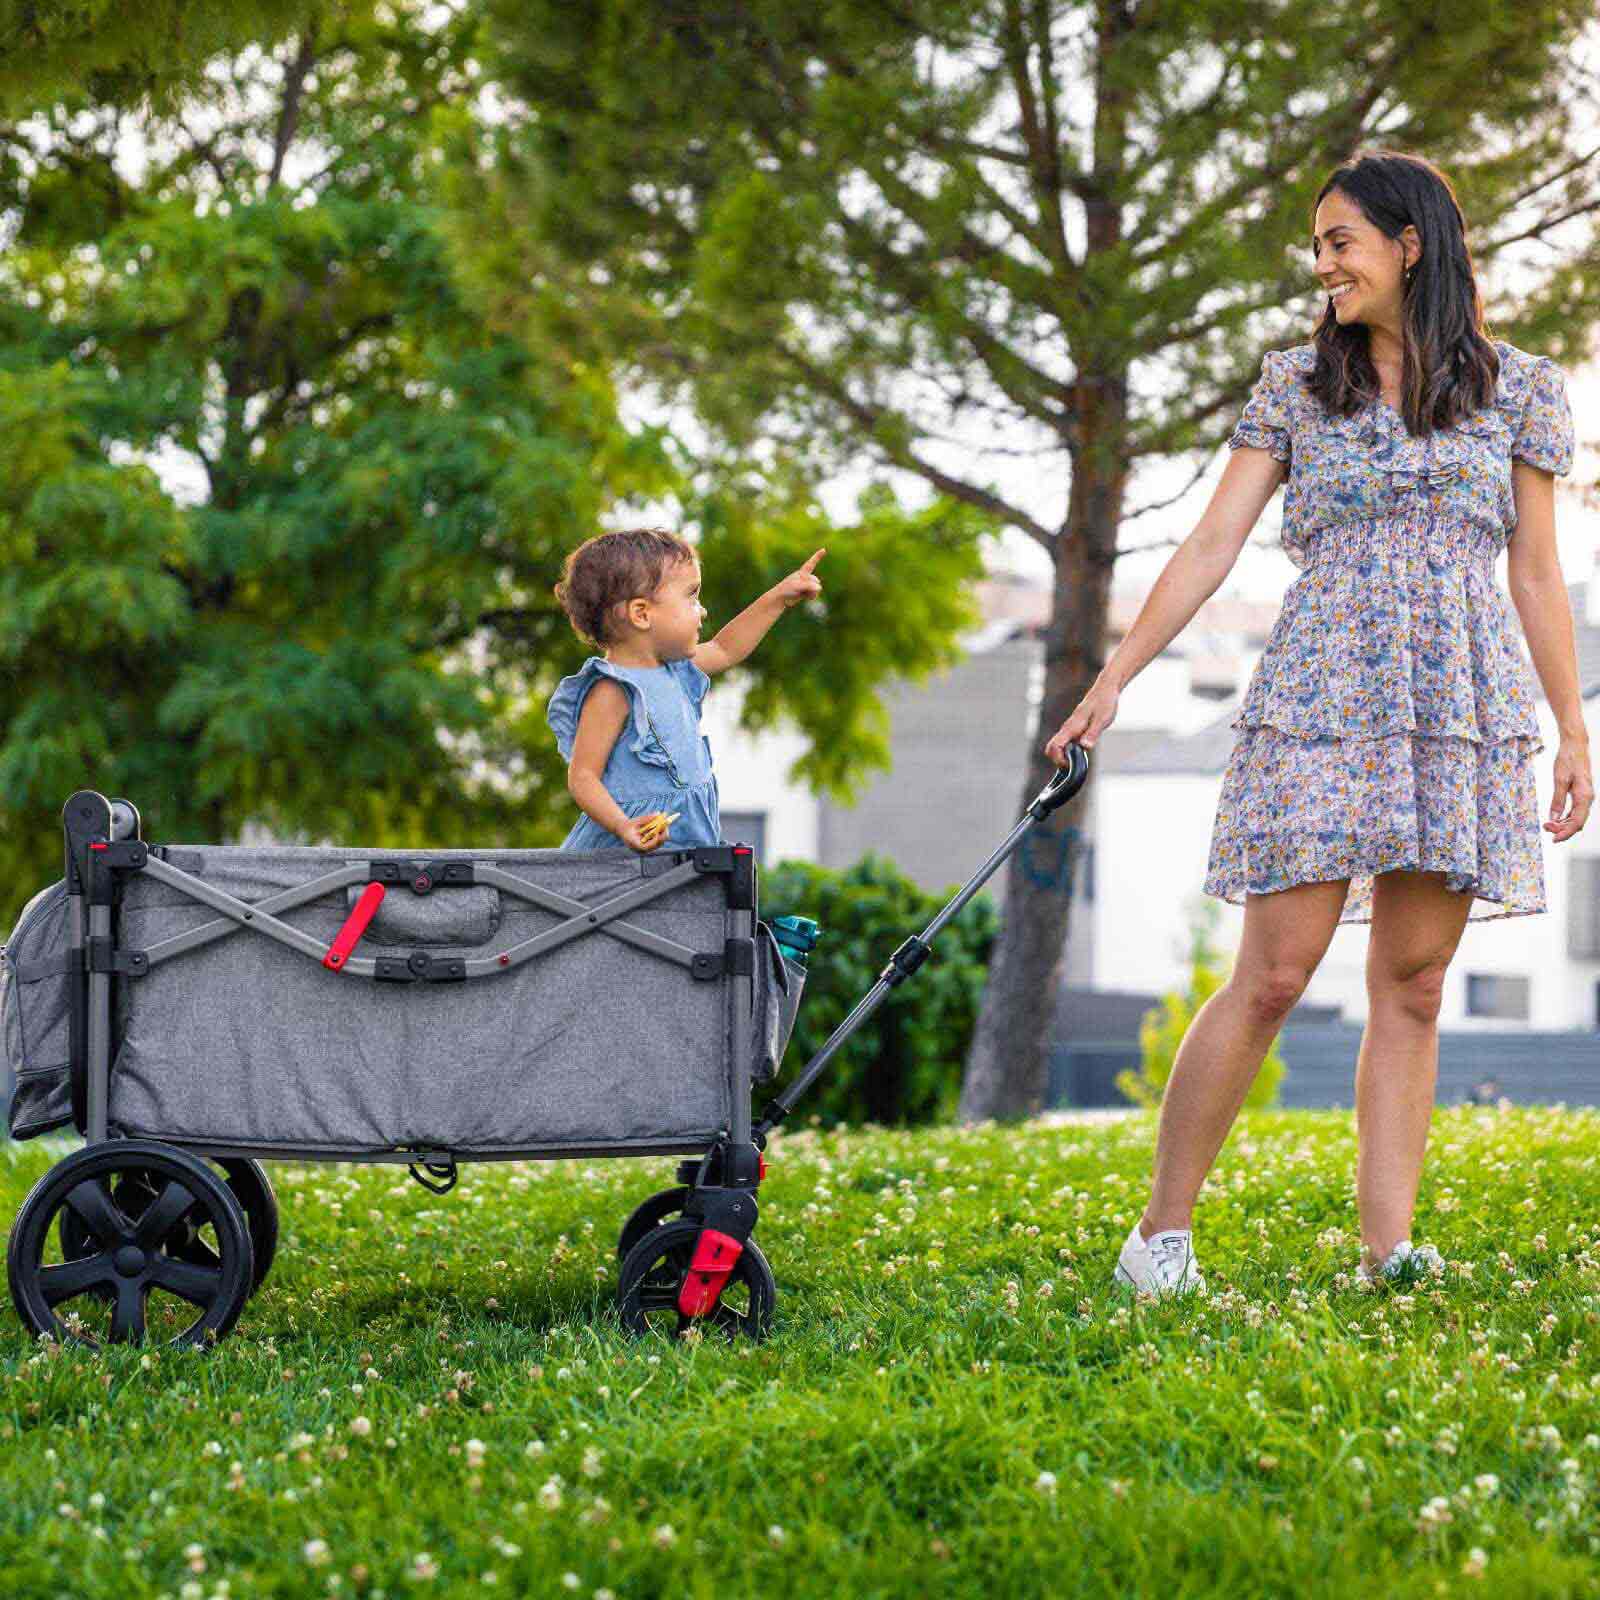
[(660, 762), (1390, 721)]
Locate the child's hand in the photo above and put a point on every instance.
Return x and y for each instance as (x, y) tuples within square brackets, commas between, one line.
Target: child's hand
[(800, 585), (645, 834)]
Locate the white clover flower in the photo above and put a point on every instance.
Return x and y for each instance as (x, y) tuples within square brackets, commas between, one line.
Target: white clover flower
[(1476, 1561), (475, 1449), (591, 1462), (663, 1538), (1357, 1465), (211, 1448), (550, 1494), (776, 1536), (570, 1580), (1045, 1483), (423, 1566), (361, 1426), (316, 1552), (1486, 1483)]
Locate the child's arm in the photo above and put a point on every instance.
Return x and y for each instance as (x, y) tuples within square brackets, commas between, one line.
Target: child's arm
[(738, 638), (604, 715)]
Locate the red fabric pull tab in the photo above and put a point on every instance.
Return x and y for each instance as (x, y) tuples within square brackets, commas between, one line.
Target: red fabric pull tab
[(714, 1257), (354, 926)]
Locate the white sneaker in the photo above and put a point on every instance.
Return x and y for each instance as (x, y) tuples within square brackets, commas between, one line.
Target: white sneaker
[(1164, 1265), (1405, 1263)]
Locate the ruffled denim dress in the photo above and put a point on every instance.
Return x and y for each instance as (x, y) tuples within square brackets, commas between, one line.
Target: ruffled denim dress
[(660, 762), (1390, 721)]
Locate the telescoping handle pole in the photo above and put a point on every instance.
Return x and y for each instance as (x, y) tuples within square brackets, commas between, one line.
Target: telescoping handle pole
[(905, 961)]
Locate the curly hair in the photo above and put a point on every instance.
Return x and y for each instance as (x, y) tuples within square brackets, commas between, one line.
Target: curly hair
[(607, 571)]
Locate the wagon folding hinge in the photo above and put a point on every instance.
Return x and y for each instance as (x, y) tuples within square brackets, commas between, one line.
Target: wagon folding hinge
[(422, 877), (419, 967)]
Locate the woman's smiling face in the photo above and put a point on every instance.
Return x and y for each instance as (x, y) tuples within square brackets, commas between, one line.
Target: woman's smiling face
[(1360, 268)]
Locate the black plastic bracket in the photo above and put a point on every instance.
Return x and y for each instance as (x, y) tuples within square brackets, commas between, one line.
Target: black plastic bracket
[(738, 862), (905, 961), (737, 958), (103, 956), (419, 967), (422, 877), (732, 1211)]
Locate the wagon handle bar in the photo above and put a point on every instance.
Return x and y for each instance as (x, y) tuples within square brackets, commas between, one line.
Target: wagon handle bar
[(905, 961)]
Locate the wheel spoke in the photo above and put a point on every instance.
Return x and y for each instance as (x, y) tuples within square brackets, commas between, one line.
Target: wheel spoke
[(198, 1285), (163, 1214), (127, 1316), (58, 1283), (106, 1224), (197, 1253), (654, 1297)]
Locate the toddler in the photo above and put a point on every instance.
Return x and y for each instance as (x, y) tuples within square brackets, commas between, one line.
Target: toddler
[(628, 723)]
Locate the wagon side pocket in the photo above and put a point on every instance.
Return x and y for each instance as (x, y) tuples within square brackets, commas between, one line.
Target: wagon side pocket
[(35, 1031), (778, 987)]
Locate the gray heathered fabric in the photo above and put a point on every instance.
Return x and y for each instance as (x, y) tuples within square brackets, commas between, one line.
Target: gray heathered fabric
[(469, 914), (245, 1040), (34, 1029)]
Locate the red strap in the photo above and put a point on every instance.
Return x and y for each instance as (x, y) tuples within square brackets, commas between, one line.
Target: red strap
[(714, 1257), (354, 926)]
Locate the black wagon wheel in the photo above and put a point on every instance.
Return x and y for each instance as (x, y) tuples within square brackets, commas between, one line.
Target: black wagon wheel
[(650, 1214), (132, 1191), (653, 1273), (131, 1284)]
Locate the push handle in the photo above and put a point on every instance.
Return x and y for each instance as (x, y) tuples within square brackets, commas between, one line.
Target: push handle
[(354, 926), (1066, 783)]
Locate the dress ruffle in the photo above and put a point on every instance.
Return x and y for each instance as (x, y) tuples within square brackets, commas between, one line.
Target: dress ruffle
[(1395, 627), (567, 702)]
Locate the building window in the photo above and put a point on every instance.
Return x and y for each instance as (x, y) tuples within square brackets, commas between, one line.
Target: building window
[(1583, 908), (1492, 994), (747, 827)]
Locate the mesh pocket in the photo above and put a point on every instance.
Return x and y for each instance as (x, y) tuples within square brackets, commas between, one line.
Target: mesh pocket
[(35, 1025)]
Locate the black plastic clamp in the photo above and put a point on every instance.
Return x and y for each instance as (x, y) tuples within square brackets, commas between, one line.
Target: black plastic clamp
[(905, 961), (422, 877), (737, 958), (102, 955), (419, 967)]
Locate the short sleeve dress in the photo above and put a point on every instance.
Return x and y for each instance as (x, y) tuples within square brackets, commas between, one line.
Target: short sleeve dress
[(1390, 720), (660, 762)]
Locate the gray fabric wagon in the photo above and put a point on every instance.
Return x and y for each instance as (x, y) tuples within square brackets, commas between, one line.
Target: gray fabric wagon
[(192, 1008)]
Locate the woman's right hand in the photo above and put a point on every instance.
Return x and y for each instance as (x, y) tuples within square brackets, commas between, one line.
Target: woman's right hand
[(644, 834), (1090, 718)]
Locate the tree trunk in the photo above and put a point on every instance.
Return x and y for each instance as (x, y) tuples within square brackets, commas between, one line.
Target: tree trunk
[(1007, 1068)]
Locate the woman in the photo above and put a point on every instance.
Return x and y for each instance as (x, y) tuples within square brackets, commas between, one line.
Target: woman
[(1383, 770)]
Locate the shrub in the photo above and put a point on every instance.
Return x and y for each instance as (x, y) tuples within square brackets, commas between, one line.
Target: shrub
[(1161, 1030), (904, 1064)]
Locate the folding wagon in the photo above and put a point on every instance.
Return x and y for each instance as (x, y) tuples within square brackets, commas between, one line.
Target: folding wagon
[(194, 1009)]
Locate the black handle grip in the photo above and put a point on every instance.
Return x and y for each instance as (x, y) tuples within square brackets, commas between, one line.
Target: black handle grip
[(1066, 783)]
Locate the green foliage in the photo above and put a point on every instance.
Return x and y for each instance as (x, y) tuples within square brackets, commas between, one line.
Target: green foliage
[(332, 617), (1161, 1031), (904, 1065)]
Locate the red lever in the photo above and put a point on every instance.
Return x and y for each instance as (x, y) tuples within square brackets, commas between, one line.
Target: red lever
[(714, 1257), (354, 926)]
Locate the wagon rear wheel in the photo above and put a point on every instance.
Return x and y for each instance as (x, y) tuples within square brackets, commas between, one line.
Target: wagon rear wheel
[(133, 1189), (650, 1214), (129, 1284), (653, 1274)]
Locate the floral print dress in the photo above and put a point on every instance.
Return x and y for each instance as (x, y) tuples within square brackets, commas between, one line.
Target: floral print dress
[(1390, 720)]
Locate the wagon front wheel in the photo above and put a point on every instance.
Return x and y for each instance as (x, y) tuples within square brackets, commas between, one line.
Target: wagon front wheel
[(130, 1283), (650, 1214), (653, 1273)]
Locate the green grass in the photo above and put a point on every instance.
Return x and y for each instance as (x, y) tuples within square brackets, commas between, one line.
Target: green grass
[(954, 1403)]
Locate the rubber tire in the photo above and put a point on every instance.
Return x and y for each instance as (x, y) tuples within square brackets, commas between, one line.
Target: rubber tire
[(251, 1188), (650, 1214), (656, 1266), (39, 1212)]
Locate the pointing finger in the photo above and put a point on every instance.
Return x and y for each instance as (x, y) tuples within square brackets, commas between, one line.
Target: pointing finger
[(810, 565)]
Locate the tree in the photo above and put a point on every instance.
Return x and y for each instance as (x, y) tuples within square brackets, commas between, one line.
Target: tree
[(347, 628), (872, 231)]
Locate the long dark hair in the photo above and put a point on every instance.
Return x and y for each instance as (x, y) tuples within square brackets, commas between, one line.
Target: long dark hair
[(1451, 367)]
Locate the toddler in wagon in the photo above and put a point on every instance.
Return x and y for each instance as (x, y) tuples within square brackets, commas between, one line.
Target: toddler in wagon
[(628, 722)]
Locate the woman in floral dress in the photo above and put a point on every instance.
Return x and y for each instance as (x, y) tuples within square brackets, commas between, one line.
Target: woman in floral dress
[(1383, 770)]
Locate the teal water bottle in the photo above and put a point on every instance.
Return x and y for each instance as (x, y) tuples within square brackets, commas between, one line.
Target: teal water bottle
[(797, 936)]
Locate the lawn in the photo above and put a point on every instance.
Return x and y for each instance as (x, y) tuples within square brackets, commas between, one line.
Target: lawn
[(430, 1395)]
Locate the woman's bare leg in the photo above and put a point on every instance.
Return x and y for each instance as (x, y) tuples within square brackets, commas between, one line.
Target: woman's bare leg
[(1416, 926), (1285, 935)]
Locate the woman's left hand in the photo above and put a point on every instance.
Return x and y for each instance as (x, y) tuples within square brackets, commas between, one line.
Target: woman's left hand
[(800, 585), (1574, 785)]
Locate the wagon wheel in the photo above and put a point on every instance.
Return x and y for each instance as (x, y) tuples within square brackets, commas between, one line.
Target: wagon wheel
[(134, 1189), (650, 1214), (653, 1273), (130, 1283)]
